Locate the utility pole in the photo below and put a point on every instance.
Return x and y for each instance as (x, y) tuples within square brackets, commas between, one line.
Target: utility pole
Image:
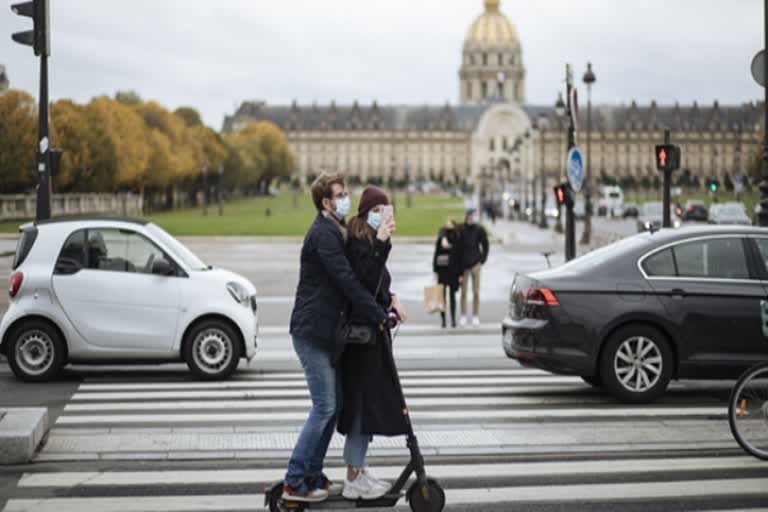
[(570, 221), (39, 39)]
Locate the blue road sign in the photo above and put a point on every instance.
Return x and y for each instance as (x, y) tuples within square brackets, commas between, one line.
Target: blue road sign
[(575, 167)]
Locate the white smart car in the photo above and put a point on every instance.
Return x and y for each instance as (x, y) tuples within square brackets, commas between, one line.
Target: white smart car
[(90, 290)]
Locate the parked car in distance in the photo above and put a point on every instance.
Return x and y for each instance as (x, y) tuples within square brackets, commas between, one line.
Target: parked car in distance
[(695, 211), (729, 213), (91, 290), (631, 210), (611, 198), (674, 304), (651, 217)]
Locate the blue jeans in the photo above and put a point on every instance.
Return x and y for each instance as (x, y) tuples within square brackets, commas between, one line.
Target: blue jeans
[(356, 444), (324, 389)]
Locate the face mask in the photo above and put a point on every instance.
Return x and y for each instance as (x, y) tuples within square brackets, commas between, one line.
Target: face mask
[(342, 207), (374, 220)]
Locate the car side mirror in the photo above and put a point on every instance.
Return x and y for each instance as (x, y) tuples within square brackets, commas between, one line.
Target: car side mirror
[(162, 267)]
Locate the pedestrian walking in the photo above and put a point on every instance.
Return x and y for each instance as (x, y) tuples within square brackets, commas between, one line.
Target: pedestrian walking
[(371, 402), (447, 265), (326, 280), (474, 255)]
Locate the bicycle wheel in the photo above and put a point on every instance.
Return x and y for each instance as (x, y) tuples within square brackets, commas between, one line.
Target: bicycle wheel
[(748, 411)]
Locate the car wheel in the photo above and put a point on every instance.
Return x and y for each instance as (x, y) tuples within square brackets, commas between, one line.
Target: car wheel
[(35, 351), (592, 380), (212, 350), (636, 365)]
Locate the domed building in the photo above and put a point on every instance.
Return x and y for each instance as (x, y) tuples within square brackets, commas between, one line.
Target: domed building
[(495, 142), (492, 60)]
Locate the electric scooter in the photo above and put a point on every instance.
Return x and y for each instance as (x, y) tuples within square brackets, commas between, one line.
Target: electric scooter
[(424, 495)]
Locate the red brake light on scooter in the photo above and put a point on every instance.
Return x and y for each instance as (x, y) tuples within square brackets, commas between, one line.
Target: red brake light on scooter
[(16, 279), (540, 297)]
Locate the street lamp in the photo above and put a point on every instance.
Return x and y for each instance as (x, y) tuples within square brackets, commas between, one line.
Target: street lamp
[(543, 123), (589, 79)]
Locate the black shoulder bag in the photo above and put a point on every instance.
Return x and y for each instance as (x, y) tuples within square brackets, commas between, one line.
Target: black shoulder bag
[(349, 333)]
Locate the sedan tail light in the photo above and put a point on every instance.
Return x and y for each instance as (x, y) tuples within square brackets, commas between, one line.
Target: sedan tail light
[(16, 279), (540, 297)]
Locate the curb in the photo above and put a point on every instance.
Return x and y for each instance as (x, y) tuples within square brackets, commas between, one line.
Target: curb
[(21, 431), (408, 330)]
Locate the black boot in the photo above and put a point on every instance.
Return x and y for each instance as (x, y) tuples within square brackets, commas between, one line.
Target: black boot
[(442, 316)]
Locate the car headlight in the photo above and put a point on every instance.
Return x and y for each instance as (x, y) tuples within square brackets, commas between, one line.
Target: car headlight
[(239, 293), (648, 225)]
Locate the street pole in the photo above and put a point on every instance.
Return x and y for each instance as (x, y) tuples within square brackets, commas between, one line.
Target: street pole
[(589, 79), (570, 221), (44, 186), (561, 110), (205, 188), (543, 176), (762, 215), (666, 219), (218, 189)]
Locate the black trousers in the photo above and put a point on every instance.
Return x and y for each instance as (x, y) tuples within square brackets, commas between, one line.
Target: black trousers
[(451, 291)]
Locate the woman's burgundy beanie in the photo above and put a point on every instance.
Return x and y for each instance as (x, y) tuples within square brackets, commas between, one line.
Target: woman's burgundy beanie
[(371, 198)]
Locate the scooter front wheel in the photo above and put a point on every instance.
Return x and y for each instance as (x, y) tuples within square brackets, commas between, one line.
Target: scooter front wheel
[(429, 498)]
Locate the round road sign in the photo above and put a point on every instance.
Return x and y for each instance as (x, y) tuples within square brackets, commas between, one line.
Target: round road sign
[(758, 68), (575, 169)]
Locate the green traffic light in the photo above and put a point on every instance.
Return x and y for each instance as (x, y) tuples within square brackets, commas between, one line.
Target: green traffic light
[(713, 187)]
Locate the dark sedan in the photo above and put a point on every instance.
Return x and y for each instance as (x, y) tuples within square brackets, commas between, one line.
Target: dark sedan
[(695, 211), (674, 304)]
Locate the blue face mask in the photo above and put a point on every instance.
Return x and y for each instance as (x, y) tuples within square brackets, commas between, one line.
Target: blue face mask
[(342, 207), (374, 220)]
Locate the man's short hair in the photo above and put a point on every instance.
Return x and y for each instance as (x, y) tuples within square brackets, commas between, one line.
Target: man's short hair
[(323, 188)]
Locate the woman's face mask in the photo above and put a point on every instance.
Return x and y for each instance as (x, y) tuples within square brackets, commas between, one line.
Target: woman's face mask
[(374, 220)]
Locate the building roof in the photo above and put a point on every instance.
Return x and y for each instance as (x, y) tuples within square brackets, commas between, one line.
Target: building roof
[(633, 117), (491, 29)]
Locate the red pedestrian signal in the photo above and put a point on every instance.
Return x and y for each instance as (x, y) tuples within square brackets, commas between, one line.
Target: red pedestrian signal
[(563, 195), (667, 157)]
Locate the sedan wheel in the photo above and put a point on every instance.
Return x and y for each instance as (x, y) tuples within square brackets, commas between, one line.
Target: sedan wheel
[(212, 350), (36, 351), (637, 364)]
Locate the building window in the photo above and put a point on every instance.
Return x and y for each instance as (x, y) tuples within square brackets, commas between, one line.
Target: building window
[(512, 60), (484, 90), (501, 60), (485, 59), (501, 89), (471, 60), (469, 90), (492, 145), (504, 143)]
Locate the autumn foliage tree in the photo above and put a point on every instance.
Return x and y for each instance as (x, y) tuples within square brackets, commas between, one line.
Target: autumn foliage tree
[(126, 144)]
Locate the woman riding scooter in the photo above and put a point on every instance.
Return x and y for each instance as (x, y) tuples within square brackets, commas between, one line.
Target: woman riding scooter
[(371, 403)]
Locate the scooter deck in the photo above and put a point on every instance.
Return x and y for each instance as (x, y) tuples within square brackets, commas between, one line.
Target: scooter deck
[(339, 502)]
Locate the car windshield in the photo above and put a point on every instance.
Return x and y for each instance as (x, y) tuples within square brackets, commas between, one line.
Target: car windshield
[(178, 249), (599, 256)]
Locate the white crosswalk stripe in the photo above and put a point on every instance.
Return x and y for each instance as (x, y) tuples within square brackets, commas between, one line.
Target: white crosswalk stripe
[(475, 427)]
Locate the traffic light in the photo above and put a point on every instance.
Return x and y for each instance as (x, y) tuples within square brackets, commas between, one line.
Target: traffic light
[(667, 157), (563, 195), (39, 37), (714, 185)]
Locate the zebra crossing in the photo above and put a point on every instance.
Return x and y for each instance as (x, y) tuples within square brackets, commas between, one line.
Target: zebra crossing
[(510, 438)]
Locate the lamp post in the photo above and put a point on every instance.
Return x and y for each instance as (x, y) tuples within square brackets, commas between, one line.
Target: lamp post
[(589, 79), (543, 173), (560, 111)]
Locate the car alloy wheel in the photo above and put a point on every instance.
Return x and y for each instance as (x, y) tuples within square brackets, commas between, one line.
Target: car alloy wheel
[(212, 350), (638, 364), (35, 353)]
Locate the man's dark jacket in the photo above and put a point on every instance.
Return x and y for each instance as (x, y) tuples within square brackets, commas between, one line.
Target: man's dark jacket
[(326, 281), (475, 244)]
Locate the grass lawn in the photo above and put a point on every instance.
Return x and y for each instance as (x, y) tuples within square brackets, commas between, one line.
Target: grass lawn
[(250, 217)]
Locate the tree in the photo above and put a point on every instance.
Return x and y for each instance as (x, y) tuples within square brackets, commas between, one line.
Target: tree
[(189, 115), (89, 160), (18, 141), (128, 98), (264, 154)]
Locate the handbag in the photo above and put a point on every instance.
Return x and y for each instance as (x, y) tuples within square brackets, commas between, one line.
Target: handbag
[(349, 333), (434, 298), (443, 260)]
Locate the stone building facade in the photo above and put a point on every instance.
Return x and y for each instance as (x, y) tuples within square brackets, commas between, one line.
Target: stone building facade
[(493, 136)]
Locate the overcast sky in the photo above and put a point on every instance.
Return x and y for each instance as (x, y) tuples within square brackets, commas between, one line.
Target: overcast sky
[(214, 54)]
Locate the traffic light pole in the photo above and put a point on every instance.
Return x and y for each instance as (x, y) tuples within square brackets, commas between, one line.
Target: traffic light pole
[(762, 212), (44, 187), (666, 219), (570, 221)]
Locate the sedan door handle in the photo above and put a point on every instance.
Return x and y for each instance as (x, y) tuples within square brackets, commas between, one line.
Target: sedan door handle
[(678, 293)]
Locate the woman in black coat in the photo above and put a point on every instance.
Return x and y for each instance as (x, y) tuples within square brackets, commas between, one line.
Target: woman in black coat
[(371, 404), (447, 264)]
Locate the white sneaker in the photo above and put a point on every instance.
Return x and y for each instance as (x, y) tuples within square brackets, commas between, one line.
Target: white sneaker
[(463, 321), (476, 321), (363, 487), (376, 480)]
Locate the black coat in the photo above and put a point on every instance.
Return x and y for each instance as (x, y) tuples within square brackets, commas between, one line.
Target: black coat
[(326, 279), (475, 245), (449, 274), (367, 380)]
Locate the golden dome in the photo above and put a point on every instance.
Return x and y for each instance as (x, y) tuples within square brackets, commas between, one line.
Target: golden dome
[(492, 28)]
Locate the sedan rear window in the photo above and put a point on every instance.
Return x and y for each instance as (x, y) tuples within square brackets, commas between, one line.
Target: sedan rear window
[(660, 264), (24, 245), (715, 258)]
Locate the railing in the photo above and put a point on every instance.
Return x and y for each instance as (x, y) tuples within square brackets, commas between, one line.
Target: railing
[(23, 206)]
